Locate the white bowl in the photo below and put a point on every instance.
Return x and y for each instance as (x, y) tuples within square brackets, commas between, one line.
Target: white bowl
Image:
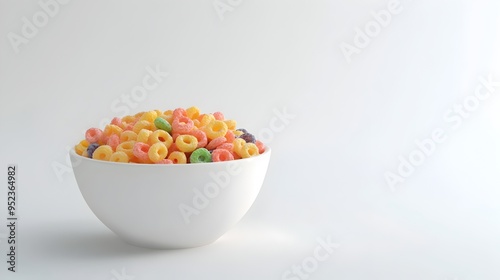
[(170, 206)]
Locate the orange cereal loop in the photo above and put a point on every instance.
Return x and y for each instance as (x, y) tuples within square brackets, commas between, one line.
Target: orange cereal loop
[(138, 115), (143, 135), (230, 136), (119, 156), (127, 147), (158, 113), (111, 129), (197, 123), (79, 149), (179, 112), (248, 150), (219, 116), (231, 124), (186, 143), (261, 146), (216, 143), (142, 125), (148, 116), (103, 152), (193, 112), (128, 136), (215, 129), (173, 148), (157, 152), (161, 136), (178, 157)]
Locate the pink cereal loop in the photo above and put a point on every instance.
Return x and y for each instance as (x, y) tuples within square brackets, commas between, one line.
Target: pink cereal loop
[(221, 155), (117, 121), (140, 151), (261, 146), (226, 146), (179, 112), (182, 125), (218, 116), (93, 135), (200, 136), (113, 141), (216, 142)]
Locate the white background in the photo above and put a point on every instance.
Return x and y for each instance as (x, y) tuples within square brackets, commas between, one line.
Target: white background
[(326, 178)]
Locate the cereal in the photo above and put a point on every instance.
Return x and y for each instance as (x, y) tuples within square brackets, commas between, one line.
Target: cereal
[(178, 157), (162, 124), (221, 155), (102, 152), (119, 156), (179, 136), (200, 155), (186, 143), (157, 152)]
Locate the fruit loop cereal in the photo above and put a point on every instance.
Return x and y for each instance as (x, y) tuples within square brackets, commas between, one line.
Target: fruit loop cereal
[(176, 136)]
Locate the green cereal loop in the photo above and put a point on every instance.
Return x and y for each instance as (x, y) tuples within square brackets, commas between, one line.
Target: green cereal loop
[(200, 155), (162, 124)]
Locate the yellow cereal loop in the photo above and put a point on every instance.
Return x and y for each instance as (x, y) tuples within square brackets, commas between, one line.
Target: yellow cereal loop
[(157, 152), (112, 129), (158, 113), (143, 135), (238, 144), (142, 125), (119, 156), (161, 136), (103, 152), (231, 124), (138, 115), (149, 116), (126, 147), (128, 135), (238, 133), (197, 123), (81, 147), (186, 143), (168, 118), (215, 129), (206, 119), (129, 119), (177, 157), (248, 150), (193, 112)]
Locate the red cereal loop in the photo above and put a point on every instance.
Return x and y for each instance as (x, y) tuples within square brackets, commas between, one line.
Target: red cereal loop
[(173, 148), (216, 142), (179, 112), (113, 141), (141, 152), (226, 146), (261, 146), (230, 136), (117, 121), (218, 116), (93, 135), (200, 136), (222, 155), (182, 125)]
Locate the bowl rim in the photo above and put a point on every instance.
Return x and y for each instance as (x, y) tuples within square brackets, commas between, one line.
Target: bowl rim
[(74, 154)]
